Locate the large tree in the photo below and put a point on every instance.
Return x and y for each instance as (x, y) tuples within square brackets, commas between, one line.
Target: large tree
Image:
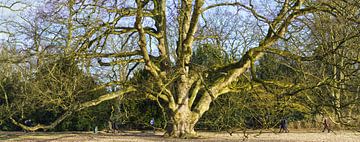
[(160, 37)]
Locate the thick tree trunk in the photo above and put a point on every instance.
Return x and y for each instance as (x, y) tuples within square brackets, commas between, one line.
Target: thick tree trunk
[(183, 120), (182, 123)]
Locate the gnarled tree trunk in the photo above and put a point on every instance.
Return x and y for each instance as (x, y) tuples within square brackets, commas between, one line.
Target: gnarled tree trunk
[(183, 120), (182, 123)]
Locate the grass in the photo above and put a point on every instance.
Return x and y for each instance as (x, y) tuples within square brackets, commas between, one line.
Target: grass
[(252, 136)]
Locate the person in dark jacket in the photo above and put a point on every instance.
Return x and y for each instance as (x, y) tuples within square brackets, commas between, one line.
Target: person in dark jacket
[(284, 125), (28, 122), (326, 124)]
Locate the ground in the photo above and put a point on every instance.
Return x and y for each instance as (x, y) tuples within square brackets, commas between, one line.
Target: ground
[(133, 136)]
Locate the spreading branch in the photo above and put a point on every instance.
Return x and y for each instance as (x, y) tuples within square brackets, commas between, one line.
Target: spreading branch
[(73, 109)]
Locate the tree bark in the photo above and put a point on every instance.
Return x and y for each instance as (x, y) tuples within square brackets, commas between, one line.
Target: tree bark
[(182, 123), (182, 119)]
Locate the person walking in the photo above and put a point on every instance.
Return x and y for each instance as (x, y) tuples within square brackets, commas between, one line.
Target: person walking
[(284, 125), (152, 123), (326, 124)]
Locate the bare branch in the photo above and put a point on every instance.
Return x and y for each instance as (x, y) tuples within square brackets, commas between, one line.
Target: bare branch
[(12, 5), (74, 109), (119, 62), (250, 8), (109, 55)]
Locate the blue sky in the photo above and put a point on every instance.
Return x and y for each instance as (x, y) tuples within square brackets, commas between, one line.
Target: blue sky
[(20, 8)]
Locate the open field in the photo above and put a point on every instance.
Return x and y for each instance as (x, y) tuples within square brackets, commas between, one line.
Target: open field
[(133, 136)]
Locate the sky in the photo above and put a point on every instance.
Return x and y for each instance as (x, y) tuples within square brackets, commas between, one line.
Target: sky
[(20, 8)]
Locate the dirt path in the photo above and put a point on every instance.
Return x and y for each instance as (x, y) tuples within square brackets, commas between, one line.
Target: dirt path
[(340, 136)]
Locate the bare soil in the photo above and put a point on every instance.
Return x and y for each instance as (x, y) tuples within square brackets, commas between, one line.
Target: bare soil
[(137, 136)]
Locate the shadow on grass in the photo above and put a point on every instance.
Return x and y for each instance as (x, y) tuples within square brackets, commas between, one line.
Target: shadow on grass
[(10, 135), (57, 136), (46, 136)]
